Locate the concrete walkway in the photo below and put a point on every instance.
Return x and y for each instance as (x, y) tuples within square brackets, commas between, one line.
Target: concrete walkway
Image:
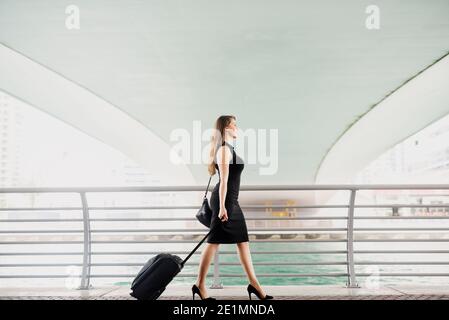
[(182, 292)]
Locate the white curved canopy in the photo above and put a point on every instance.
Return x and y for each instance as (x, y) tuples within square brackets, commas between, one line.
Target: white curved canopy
[(308, 68), (417, 104)]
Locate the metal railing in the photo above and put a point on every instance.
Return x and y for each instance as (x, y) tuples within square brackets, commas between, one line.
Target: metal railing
[(353, 235)]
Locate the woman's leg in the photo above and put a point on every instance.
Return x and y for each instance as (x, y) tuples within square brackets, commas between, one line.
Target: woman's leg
[(206, 258), (245, 259)]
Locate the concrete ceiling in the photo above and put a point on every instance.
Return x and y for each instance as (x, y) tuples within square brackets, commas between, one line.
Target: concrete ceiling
[(307, 68)]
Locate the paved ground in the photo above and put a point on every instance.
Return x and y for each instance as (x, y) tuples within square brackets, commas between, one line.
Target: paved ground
[(177, 292)]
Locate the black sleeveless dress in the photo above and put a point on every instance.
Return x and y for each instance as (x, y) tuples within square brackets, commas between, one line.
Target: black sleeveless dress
[(234, 230)]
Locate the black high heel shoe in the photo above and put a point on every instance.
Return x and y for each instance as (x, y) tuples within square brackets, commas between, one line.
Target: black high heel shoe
[(251, 289), (196, 290)]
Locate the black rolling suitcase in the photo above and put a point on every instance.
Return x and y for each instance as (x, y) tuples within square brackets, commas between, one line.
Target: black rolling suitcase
[(157, 273)]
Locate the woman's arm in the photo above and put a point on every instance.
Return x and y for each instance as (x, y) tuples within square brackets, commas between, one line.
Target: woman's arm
[(223, 158)]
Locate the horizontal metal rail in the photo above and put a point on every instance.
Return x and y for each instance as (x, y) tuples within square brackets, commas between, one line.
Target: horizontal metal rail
[(175, 241), (157, 252), (407, 263), (248, 219), (129, 264), (251, 231), (280, 252), (273, 275), (195, 241), (172, 241), (89, 231), (312, 187), (335, 206), (139, 264), (169, 219), (184, 231), (40, 209), (401, 251)]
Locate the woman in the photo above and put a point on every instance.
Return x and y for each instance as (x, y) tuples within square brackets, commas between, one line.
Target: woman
[(228, 222)]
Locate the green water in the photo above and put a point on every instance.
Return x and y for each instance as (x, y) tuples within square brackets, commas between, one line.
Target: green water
[(307, 269), (276, 269), (271, 269)]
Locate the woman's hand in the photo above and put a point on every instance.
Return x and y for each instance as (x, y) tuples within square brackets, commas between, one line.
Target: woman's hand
[(223, 215)]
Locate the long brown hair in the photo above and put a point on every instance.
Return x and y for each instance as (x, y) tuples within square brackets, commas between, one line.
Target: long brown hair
[(217, 138)]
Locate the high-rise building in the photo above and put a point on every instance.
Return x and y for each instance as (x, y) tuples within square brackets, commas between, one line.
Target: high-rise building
[(422, 157), (10, 141)]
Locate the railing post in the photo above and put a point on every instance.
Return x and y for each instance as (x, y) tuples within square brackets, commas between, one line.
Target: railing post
[(85, 276), (217, 281), (350, 243)]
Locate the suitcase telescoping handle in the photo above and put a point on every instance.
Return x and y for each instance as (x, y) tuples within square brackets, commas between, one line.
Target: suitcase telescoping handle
[(197, 246)]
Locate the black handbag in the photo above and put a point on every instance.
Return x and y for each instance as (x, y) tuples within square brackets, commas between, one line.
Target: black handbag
[(204, 214)]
